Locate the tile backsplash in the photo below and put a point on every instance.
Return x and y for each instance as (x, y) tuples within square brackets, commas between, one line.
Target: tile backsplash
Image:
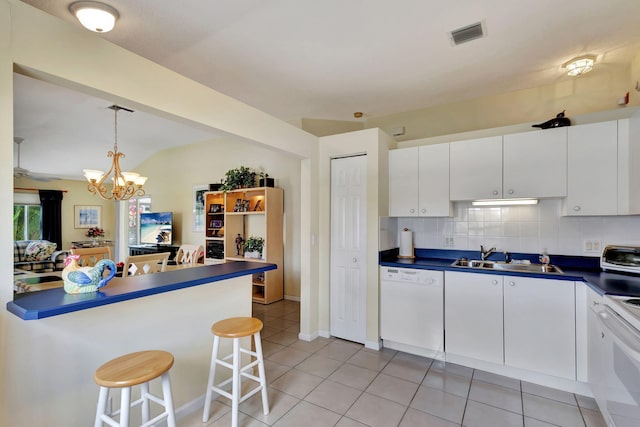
[(528, 229)]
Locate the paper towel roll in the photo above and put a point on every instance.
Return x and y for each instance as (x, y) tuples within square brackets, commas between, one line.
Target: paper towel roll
[(406, 244)]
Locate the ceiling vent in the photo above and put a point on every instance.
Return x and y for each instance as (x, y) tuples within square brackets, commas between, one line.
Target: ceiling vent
[(466, 34)]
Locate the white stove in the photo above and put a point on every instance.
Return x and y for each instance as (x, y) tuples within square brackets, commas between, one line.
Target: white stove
[(626, 307), (614, 359)]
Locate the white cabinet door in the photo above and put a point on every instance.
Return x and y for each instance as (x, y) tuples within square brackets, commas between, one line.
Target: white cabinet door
[(539, 325), (535, 164), (434, 180), (473, 316), (476, 169), (592, 184), (403, 182)]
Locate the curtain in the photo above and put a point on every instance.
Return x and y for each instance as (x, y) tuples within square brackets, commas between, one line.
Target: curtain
[(51, 203)]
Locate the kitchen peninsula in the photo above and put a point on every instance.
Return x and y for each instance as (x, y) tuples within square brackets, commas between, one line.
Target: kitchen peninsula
[(74, 334)]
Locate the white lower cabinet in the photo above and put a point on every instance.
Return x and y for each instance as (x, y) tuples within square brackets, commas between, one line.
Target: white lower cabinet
[(519, 322), (539, 325), (473, 316)]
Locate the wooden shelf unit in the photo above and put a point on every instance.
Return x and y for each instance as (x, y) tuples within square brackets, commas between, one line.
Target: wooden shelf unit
[(248, 212), (214, 226)]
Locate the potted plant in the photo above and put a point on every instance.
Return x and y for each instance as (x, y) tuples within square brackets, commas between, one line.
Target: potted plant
[(242, 177), (253, 247)]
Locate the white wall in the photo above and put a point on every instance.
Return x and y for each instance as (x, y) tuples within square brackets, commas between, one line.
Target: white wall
[(527, 229), (176, 171)]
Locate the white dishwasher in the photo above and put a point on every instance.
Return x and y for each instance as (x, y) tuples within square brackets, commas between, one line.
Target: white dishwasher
[(412, 310)]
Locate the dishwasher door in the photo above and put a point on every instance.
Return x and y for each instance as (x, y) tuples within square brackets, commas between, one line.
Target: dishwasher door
[(411, 310)]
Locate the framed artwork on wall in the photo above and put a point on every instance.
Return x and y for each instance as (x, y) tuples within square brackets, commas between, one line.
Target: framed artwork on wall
[(86, 216), (198, 206)]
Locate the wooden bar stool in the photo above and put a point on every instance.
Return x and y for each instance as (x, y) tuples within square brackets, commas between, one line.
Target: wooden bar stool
[(127, 371), (236, 328)]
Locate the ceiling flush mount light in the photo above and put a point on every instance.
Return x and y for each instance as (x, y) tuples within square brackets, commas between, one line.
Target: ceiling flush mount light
[(125, 184), (95, 16), (505, 202), (580, 65)]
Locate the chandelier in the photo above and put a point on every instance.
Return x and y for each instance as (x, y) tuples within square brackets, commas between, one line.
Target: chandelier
[(125, 184)]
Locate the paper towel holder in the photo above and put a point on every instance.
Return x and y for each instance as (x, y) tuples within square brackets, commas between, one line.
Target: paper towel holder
[(406, 246)]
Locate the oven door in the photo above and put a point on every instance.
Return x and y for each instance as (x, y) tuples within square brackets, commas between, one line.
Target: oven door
[(617, 389)]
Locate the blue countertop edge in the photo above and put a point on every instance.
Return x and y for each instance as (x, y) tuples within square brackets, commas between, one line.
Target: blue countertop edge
[(54, 302), (575, 268)]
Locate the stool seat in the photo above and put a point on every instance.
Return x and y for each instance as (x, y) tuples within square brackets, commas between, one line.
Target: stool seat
[(237, 327), (130, 370), (133, 369)]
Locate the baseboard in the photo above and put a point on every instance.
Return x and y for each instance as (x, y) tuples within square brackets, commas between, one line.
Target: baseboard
[(324, 334), (373, 345), (292, 298), (308, 337)]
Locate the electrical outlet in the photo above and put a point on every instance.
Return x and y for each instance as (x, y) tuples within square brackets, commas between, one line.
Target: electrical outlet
[(592, 246), (449, 242)]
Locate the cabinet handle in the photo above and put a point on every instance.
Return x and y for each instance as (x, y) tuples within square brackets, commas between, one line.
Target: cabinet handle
[(412, 211), (495, 192), (576, 208), (495, 282), (424, 211), (355, 259), (602, 334), (510, 191), (431, 281), (512, 283), (596, 303)]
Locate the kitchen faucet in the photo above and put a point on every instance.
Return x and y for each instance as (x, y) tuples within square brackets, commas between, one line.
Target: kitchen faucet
[(485, 254)]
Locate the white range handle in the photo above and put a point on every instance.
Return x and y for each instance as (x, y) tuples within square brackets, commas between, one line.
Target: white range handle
[(621, 332)]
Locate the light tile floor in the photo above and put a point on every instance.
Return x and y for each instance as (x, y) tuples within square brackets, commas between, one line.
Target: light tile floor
[(331, 382)]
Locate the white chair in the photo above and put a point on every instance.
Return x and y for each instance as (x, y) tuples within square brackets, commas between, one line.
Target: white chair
[(189, 254), (136, 265), (90, 256)]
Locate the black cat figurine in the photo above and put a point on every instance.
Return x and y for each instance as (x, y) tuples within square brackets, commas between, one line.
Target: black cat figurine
[(558, 121)]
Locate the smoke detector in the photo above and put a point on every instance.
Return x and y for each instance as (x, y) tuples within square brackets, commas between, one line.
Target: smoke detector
[(468, 33)]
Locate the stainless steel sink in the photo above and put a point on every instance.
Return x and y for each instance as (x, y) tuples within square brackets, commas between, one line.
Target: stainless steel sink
[(503, 266)]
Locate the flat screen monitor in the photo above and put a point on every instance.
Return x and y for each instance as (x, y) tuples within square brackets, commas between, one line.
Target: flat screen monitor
[(156, 228)]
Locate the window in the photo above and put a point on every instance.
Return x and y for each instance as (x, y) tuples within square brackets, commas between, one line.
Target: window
[(26, 222)]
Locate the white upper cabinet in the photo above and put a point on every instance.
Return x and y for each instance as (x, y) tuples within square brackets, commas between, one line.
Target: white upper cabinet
[(604, 167), (403, 182), (535, 164), (419, 181), (434, 180), (593, 169), (476, 169)]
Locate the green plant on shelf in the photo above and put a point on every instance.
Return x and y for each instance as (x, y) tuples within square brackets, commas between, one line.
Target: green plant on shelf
[(242, 177), (254, 246)]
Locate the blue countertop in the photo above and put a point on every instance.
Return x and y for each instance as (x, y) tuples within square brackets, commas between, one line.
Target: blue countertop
[(581, 269), (53, 302)]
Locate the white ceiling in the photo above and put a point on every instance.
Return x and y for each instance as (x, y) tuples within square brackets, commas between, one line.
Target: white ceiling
[(327, 59)]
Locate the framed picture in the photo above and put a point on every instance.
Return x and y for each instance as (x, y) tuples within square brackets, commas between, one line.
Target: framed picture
[(86, 216), (198, 207)]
